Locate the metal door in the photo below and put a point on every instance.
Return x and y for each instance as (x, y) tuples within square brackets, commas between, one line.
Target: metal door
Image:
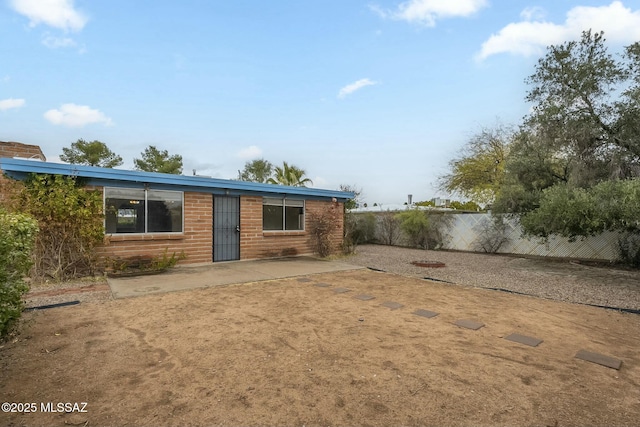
[(226, 228)]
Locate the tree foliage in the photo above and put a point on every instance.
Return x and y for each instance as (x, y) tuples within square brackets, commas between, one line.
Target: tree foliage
[(571, 212), (71, 225), (94, 153), (259, 170), (17, 234), (477, 173), (154, 160), (351, 203), (584, 127), (289, 175), (465, 206)]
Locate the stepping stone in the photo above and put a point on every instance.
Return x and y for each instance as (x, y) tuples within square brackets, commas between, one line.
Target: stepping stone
[(392, 305), (523, 339), (322, 285), (363, 297), (304, 280), (425, 313), (341, 290), (469, 324), (600, 359)]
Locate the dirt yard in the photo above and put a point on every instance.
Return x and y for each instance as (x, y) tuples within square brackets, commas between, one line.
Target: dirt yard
[(288, 352)]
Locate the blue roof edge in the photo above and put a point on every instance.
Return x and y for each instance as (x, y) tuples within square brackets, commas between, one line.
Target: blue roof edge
[(20, 168)]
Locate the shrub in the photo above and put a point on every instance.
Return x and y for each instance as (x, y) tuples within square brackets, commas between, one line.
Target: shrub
[(143, 264), (321, 226), (71, 225), (492, 234), (17, 234), (389, 228), (415, 224), (361, 227), (629, 250)]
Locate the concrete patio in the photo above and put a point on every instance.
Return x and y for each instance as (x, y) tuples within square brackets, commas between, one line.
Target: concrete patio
[(224, 273)]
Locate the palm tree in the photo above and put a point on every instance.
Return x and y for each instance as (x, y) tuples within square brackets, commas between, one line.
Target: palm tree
[(289, 175)]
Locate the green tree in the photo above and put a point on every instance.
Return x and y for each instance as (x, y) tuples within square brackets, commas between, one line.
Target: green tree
[(256, 171), (478, 171), (570, 169), (94, 153), (289, 175), (154, 160), (586, 109)]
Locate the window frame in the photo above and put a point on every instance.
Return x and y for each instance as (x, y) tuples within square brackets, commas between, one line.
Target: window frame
[(146, 211), (283, 205)]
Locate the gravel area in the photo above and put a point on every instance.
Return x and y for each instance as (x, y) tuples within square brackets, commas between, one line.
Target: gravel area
[(86, 290), (552, 279)]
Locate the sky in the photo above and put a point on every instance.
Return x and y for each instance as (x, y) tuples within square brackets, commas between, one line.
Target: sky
[(376, 94)]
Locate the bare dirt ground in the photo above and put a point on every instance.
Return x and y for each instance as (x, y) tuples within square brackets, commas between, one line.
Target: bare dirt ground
[(286, 352)]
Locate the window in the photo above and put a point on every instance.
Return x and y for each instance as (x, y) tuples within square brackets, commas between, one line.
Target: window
[(282, 214), (129, 210)]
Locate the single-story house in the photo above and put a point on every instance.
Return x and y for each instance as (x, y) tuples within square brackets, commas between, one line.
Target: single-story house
[(208, 219)]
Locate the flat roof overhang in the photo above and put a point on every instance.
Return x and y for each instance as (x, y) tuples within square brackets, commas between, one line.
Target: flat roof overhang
[(21, 168)]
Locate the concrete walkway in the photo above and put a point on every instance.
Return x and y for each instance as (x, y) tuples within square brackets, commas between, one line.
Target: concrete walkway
[(225, 273)]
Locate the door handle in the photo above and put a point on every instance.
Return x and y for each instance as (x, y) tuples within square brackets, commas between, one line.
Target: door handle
[(238, 228)]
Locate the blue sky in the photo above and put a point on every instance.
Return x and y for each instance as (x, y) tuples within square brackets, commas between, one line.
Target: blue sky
[(379, 94)]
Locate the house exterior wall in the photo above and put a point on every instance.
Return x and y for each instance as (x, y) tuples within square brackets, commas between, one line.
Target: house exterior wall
[(256, 243), (197, 239), (15, 149)]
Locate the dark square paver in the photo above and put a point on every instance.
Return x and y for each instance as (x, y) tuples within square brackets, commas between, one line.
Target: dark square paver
[(341, 290), (425, 313), (469, 324), (322, 285), (364, 297), (392, 305), (600, 359), (523, 339)]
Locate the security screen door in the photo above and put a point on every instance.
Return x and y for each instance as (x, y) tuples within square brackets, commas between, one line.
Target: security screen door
[(226, 228)]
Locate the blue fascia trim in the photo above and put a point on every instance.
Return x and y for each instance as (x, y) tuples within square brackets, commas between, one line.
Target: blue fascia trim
[(20, 169)]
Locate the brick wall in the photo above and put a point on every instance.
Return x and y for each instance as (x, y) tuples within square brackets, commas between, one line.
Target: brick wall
[(196, 241), (255, 243), (15, 149)]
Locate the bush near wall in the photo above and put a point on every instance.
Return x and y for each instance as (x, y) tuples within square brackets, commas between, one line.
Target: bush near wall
[(71, 225), (17, 236)]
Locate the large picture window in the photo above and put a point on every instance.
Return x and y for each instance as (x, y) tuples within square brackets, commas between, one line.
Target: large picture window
[(282, 214), (129, 210)]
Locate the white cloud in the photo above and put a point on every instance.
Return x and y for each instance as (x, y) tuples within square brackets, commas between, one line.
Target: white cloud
[(7, 104), (531, 13), (58, 42), (250, 152), (73, 115), (54, 13), (620, 24), (350, 88), (427, 12)]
